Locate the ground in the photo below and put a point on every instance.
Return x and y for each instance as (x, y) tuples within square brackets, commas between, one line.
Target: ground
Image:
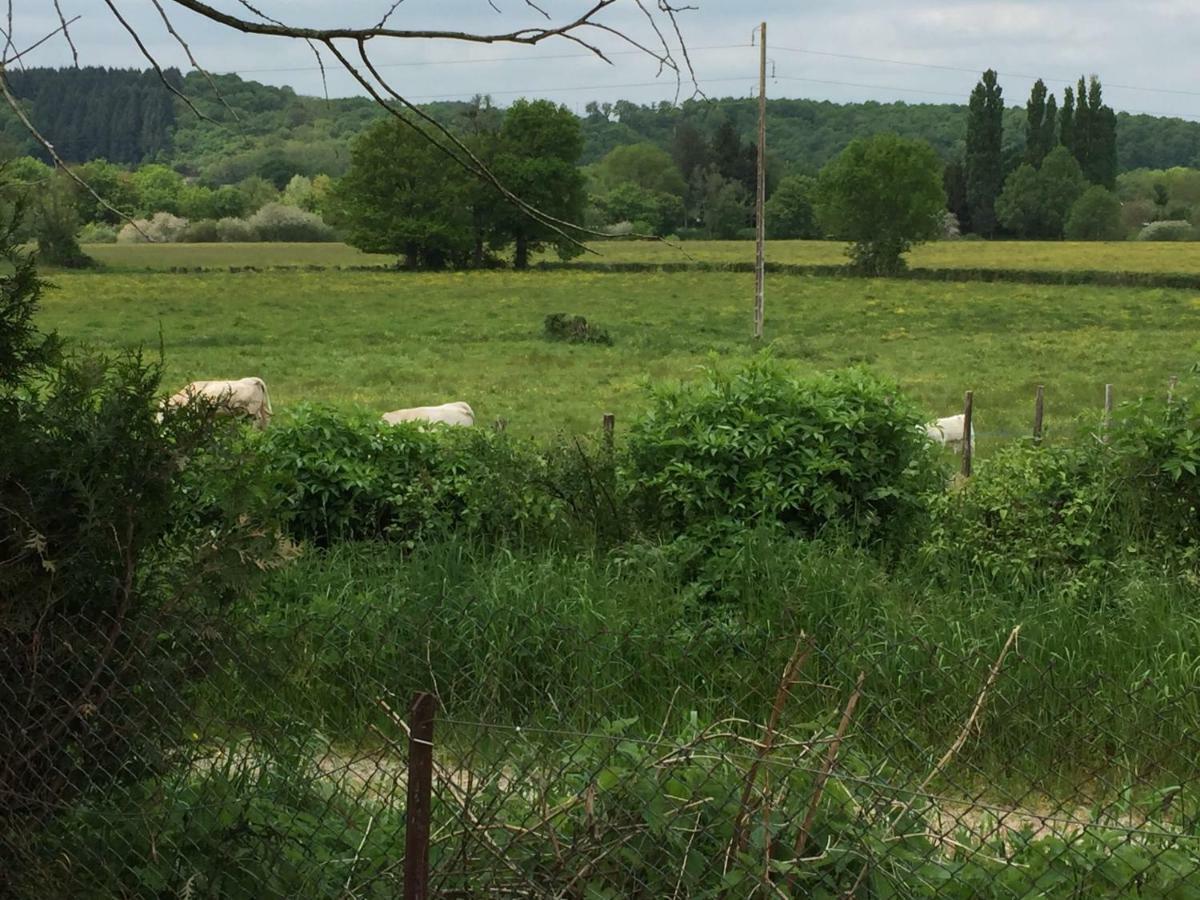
[(385, 340)]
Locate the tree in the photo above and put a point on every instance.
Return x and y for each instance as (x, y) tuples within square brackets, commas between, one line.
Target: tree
[(1066, 129), (1040, 113), (1094, 135), (1035, 202), (653, 211), (689, 150), (954, 182), (885, 195), (643, 165), (159, 189), (57, 224), (400, 197), (734, 160), (789, 212), (1096, 216), (113, 183), (539, 147), (984, 161), (722, 205)]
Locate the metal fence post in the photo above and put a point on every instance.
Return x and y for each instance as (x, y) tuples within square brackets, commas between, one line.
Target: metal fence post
[(420, 788)]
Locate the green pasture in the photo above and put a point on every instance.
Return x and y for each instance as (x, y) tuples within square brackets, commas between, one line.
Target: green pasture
[(385, 339), (1057, 256)]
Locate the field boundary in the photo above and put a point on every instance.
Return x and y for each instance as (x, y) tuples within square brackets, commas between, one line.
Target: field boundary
[(1169, 280)]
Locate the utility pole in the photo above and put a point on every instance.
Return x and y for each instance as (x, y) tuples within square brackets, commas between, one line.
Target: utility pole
[(760, 225)]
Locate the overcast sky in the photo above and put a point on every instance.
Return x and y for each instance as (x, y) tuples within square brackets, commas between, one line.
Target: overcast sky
[(1147, 52)]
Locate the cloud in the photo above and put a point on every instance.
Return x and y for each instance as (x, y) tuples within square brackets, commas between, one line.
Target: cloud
[(854, 49)]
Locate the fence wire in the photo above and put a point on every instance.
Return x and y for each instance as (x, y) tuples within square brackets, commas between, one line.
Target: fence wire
[(236, 761)]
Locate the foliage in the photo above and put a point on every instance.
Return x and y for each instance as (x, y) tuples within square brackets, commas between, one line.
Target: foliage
[(1181, 230), (660, 212), (280, 222), (1096, 216), (56, 225), (885, 195), (759, 445), (161, 228), (539, 148), (789, 212), (984, 160), (575, 330), (723, 204), (1035, 203), (201, 231), (113, 184), (96, 233), (159, 189), (402, 196), (235, 231), (1093, 135), (643, 165), (106, 566), (341, 478), (1041, 124)]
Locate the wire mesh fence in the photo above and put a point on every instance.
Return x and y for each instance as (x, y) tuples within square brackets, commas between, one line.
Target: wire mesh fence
[(236, 760)]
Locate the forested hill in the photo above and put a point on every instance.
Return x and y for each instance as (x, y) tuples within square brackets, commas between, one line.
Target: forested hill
[(128, 116)]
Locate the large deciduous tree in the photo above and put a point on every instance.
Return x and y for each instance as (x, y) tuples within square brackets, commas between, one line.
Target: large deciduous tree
[(985, 161), (1096, 216), (400, 197), (884, 194), (537, 159), (789, 212)]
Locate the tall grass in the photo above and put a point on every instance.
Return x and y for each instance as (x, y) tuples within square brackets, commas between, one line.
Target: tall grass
[(570, 641)]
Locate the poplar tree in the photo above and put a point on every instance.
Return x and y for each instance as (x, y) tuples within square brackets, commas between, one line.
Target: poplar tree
[(985, 167)]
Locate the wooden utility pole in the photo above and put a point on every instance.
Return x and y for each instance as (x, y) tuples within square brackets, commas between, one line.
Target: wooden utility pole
[(760, 225)]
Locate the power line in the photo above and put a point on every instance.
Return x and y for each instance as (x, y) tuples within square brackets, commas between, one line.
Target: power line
[(919, 65)]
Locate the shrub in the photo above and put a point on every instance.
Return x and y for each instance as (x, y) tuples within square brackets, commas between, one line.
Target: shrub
[(1168, 231), (160, 228), (107, 586), (98, 233), (341, 477), (759, 445), (1095, 216), (57, 224), (574, 330), (203, 231), (280, 222), (235, 231)]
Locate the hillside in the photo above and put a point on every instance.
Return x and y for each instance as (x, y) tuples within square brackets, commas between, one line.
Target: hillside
[(127, 116)]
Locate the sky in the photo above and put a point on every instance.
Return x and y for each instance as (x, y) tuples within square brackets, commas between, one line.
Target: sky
[(1147, 52)]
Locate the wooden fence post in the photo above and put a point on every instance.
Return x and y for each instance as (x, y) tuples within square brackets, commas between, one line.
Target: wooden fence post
[(420, 788), (967, 449), (1038, 412), (500, 424), (1108, 411), (610, 422)]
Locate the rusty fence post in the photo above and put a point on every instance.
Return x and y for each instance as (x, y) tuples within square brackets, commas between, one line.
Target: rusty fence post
[(420, 789), (967, 449), (1039, 409)]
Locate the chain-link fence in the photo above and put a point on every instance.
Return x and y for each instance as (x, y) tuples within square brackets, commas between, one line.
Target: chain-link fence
[(264, 758)]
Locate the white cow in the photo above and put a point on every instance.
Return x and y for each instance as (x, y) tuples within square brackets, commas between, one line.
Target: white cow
[(457, 413), (245, 396), (949, 431)]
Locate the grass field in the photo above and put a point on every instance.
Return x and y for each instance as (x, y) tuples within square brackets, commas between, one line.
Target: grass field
[(386, 340), (1043, 255)]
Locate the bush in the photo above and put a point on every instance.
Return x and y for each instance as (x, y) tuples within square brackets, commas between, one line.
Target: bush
[(759, 445), (160, 228), (203, 231), (98, 233), (1168, 231), (107, 583), (574, 330), (340, 477), (1074, 512), (280, 222), (235, 231), (1095, 216)]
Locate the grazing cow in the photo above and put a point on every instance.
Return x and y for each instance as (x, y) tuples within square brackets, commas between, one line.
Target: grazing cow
[(949, 431), (245, 396), (458, 413)]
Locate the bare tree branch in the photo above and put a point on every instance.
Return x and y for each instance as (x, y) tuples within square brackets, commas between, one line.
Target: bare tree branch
[(66, 32), (9, 61), (162, 76), (192, 59)]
